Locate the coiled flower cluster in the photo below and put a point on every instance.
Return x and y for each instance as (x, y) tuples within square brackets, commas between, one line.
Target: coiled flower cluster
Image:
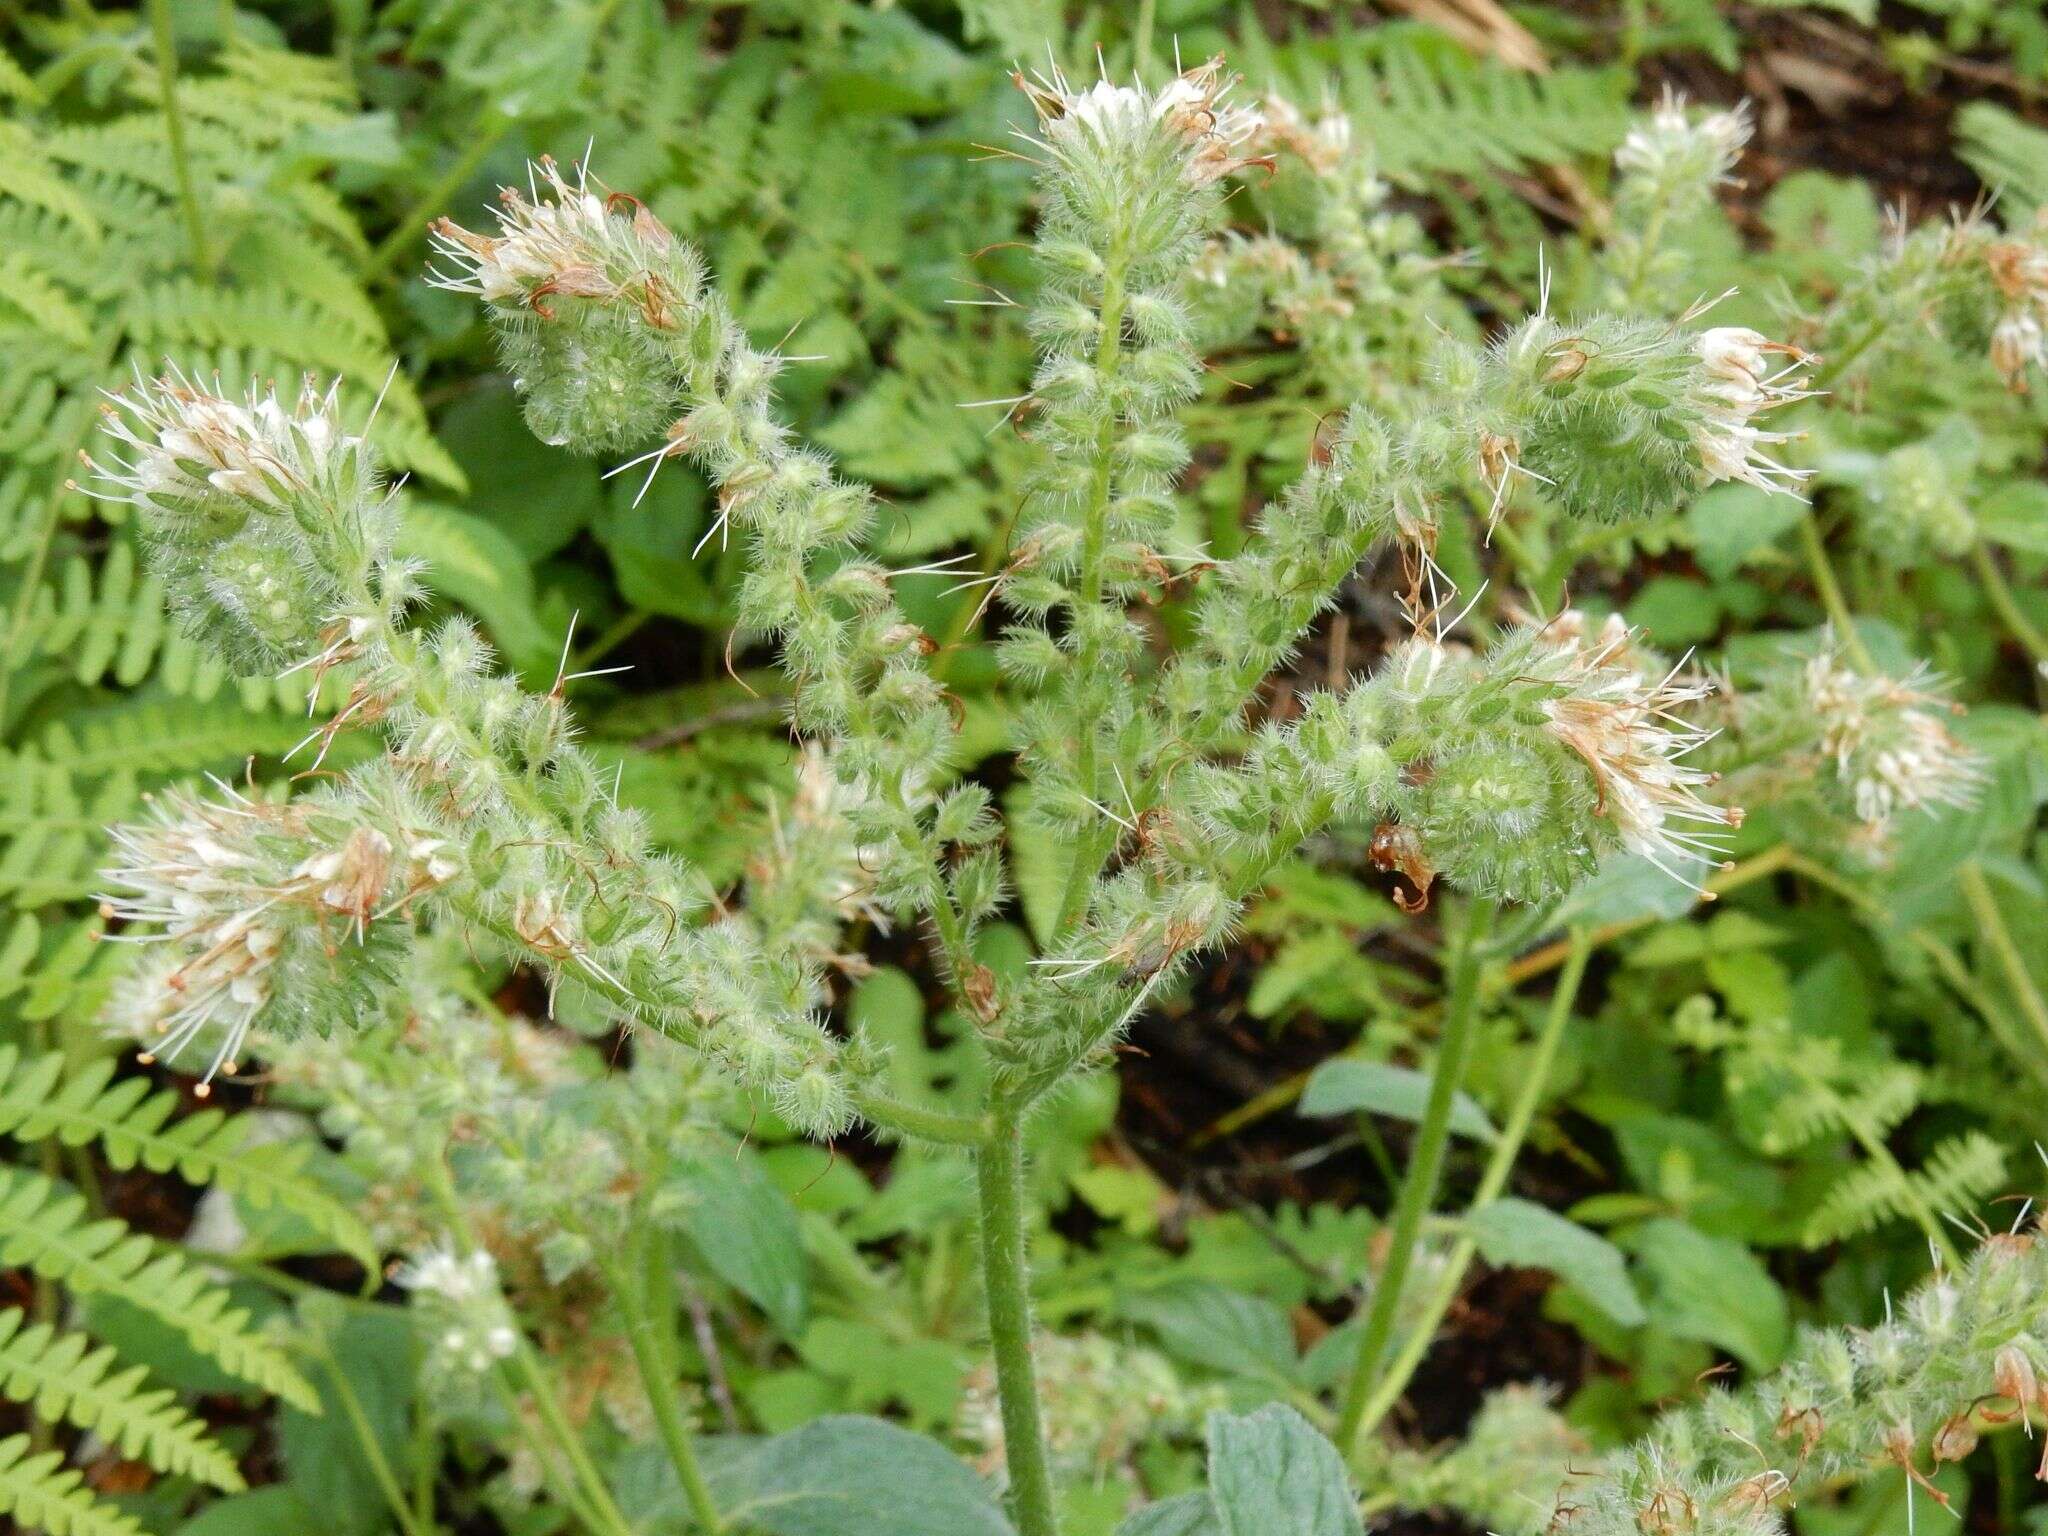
[(254, 903), (1862, 749), (261, 517), (2019, 272), (1964, 1351)]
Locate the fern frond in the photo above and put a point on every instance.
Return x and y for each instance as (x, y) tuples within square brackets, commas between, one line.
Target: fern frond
[(42, 1494), (132, 1126), (1959, 1173), (1824, 1100), (64, 1376), (49, 1230), (2008, 152)]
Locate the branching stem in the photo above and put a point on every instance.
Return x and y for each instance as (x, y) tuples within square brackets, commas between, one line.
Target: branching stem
[(1425, 1164)]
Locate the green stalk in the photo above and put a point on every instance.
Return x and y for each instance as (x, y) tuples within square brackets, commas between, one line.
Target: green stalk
[(999, 1172), (1425, 1163), (1401, 1370), (483, 136), (174, 123), (1823, 573), (2005, 605), (1984, 907), (643, 1335), (373, 1453)]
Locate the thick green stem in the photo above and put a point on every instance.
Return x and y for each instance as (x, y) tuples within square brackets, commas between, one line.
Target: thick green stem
[(1425, 1163), (999, 1171), (174, 123), (645, 1338), (1394, 1380), (1830, 590)]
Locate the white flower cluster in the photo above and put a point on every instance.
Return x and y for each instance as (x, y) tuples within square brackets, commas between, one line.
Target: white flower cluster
[(472, 1328), (1672, 142), (2019, 341), (557, 238), (234, 888), (1104, 1402), (1891, 752), (188, 448), (1740, 384), (1323, 144), (1625, 727), (1190, 107)]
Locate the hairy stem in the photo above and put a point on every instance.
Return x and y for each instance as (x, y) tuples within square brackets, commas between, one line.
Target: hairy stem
[(1401, 1369), (1088, 853), (644, 1337), (999, 1171), (1425, 1163)]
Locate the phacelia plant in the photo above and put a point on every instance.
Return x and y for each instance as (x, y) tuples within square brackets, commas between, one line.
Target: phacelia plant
[(1507, 770)]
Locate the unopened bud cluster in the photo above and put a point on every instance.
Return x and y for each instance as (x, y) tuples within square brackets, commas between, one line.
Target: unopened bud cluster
[(1963, 1352)]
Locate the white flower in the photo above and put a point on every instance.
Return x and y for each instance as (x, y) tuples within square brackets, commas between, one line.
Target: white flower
[(1891, 752), (222, 885), (1626, 728), (188, 448), (456, 1278), (1322, 145), (470, 1325), (2017, 344), (1736, 385), (1190, 107), (1670, 141), (558, 240)]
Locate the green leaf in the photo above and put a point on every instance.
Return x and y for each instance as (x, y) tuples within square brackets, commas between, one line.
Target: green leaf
[(1674, 611), (853, 1476), (1623, 887), (538, 497), (2016, 515), (652, 541), (1731, 522), (1712, 1289), (273, 1511), (1346, 1085), (1038, 867), (1272, 1474), (748, 1234), (374, 1348), (1204, 1324), (1192, 1514), (1520, 1233)]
